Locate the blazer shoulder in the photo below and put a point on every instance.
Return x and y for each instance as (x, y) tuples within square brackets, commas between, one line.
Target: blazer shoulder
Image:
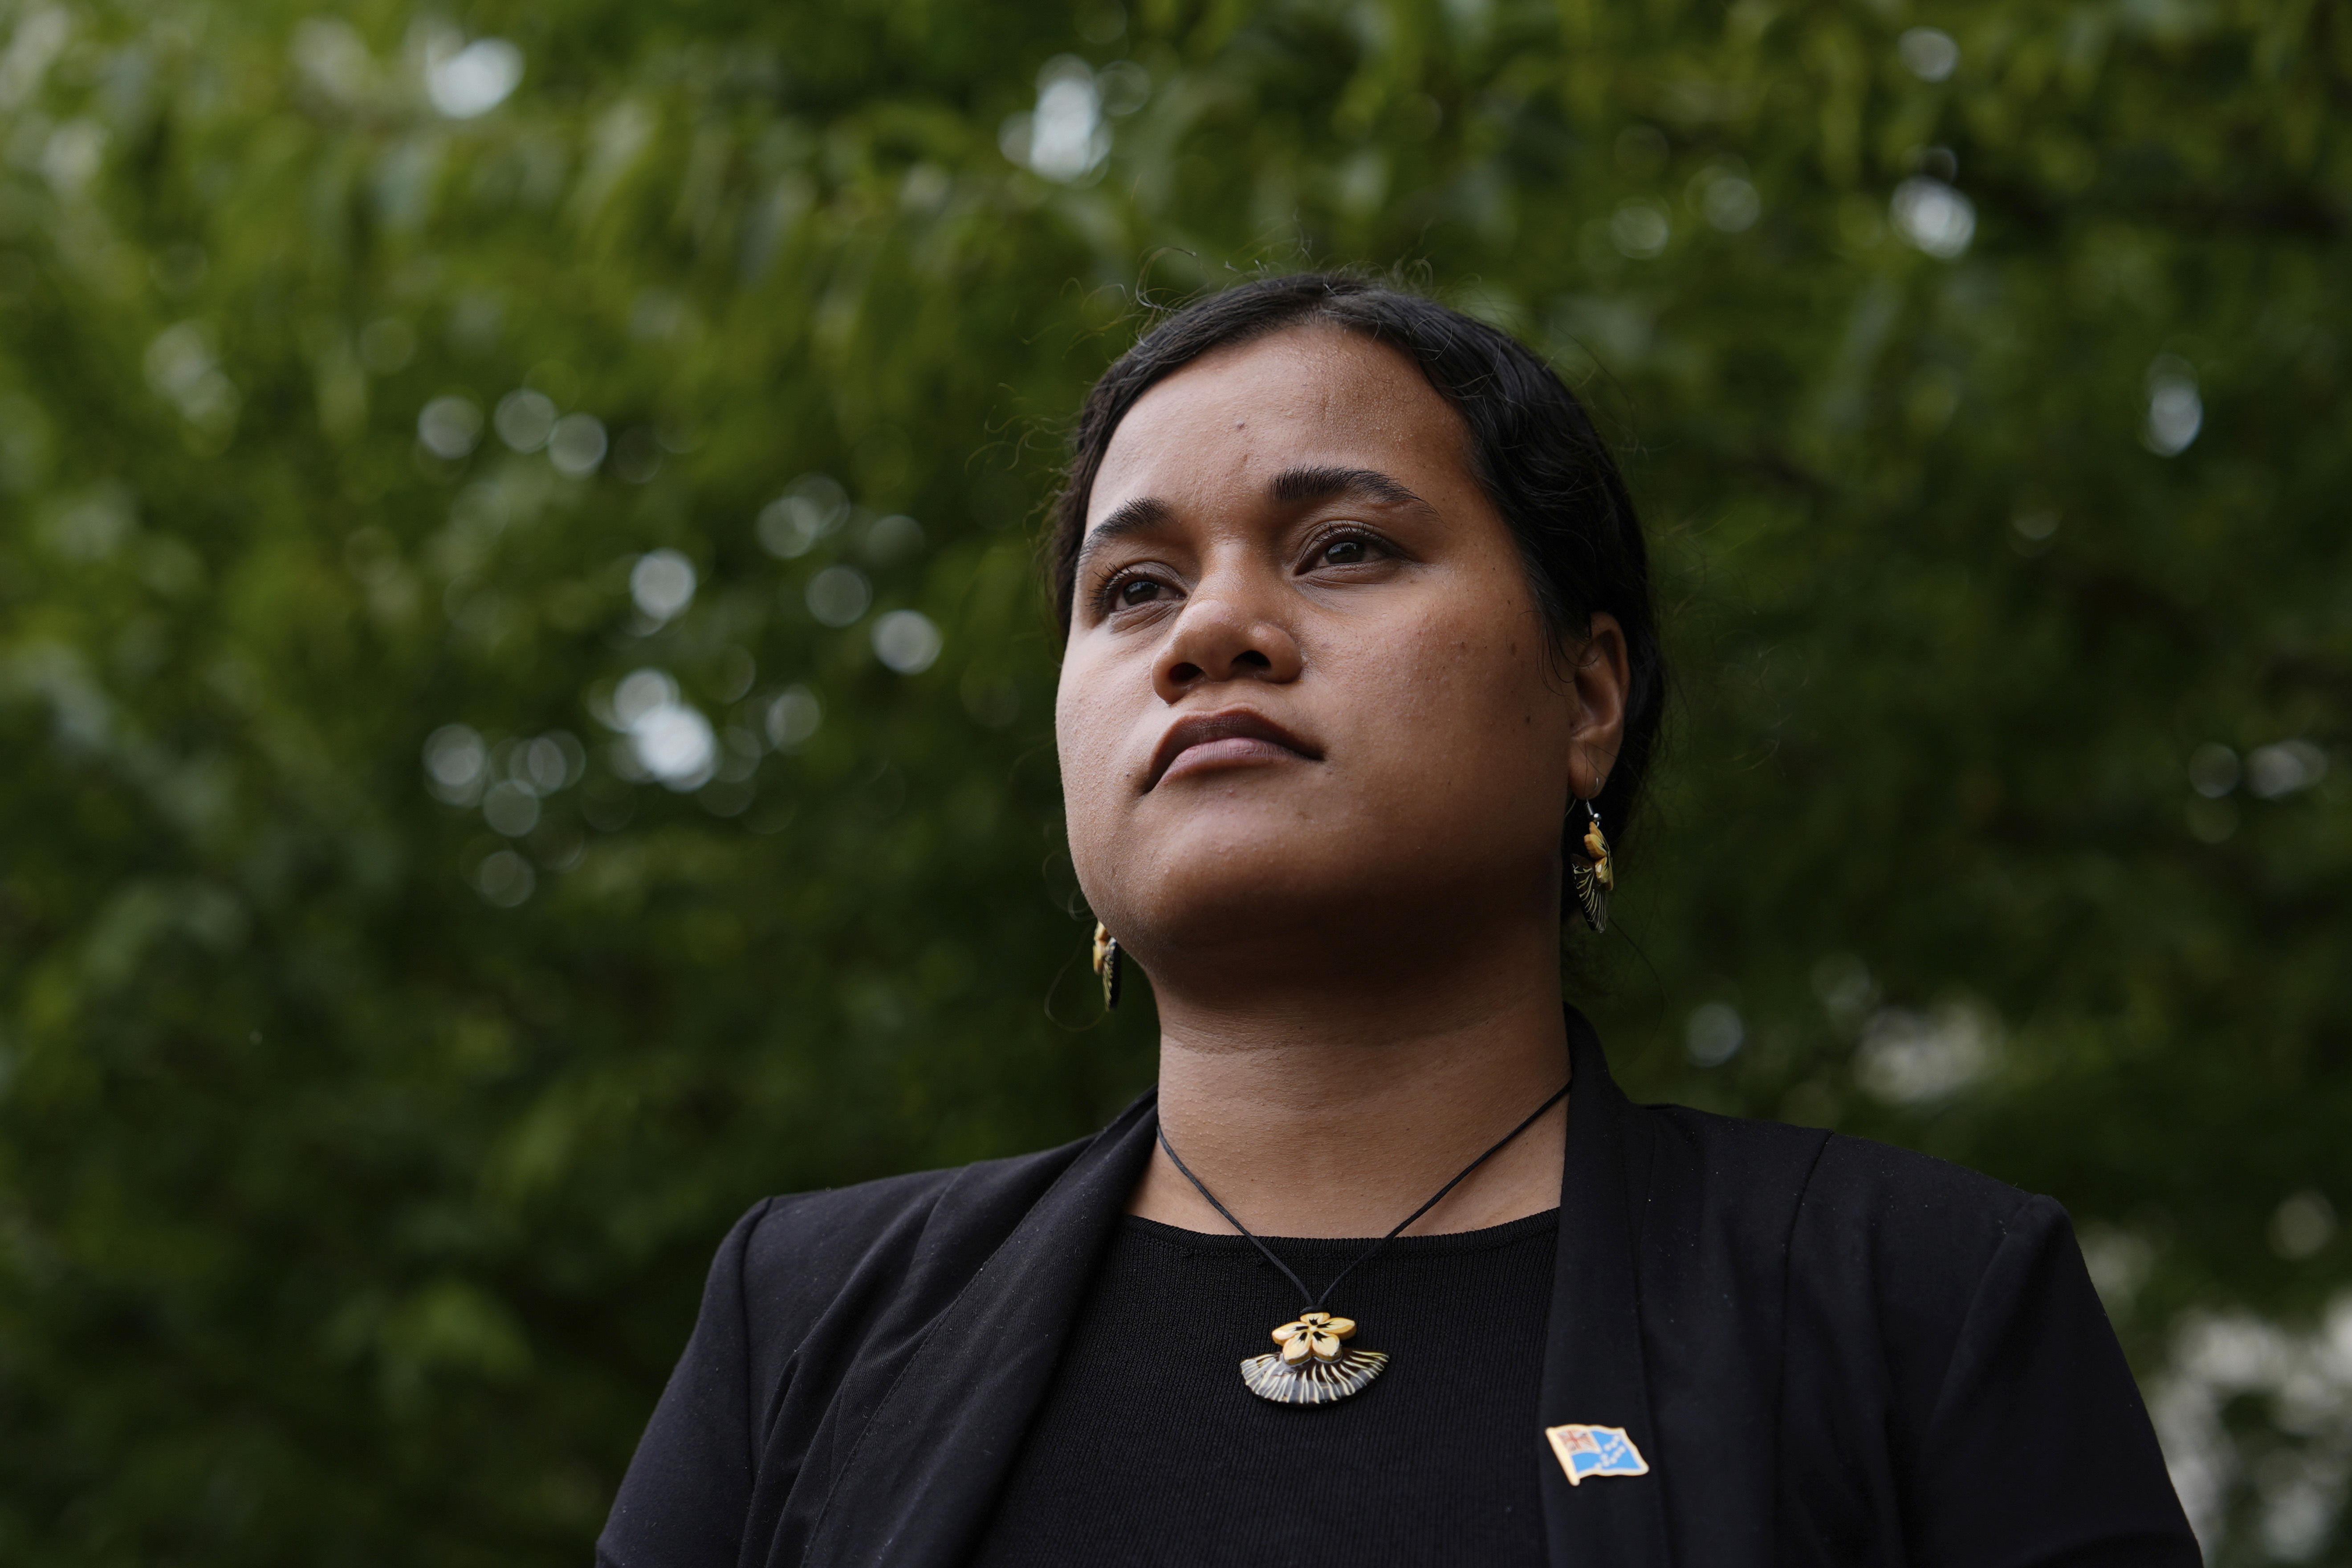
[(1912, 1245), (1832, 1171), (1701, 1172), (1875, 1209), (804, 1251), (1880, 1185), (1737, 1143)]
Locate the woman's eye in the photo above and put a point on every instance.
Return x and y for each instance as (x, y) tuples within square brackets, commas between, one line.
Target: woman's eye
[(1136, 591), (1347, 553)]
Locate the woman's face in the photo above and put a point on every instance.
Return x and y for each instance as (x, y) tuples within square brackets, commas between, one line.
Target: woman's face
[(1307, 687)]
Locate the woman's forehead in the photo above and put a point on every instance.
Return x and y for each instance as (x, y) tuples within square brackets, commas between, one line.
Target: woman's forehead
[(1310, 396)]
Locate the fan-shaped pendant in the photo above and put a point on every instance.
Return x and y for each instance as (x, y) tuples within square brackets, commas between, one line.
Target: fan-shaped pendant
[(1312, 1367), (1592, 894), (1320, 1382)]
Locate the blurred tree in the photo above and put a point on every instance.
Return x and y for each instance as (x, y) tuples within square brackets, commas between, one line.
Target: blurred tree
[(529, 709)]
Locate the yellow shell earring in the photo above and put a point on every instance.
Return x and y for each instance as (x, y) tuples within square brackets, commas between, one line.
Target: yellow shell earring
[(1107, 962), (1591, 875)]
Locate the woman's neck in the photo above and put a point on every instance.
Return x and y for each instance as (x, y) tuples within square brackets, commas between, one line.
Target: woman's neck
[(1337, 1110)]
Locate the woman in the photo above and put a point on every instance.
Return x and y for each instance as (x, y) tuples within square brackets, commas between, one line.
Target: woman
[(1361, 667)]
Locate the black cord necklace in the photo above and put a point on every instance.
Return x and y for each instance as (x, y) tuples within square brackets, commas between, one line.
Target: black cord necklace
[(1313, 1367)]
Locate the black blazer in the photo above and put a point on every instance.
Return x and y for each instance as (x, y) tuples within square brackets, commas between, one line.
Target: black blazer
[(1830, 1352)]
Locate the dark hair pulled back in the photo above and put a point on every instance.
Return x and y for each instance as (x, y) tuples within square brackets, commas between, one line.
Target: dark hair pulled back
[(1532, 448)]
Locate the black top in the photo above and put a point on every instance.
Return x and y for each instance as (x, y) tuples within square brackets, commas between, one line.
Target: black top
[(1435, 1462), (1828, 1351)]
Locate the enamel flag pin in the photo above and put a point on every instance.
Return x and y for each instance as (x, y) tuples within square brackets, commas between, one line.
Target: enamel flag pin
[(1595, 1451)]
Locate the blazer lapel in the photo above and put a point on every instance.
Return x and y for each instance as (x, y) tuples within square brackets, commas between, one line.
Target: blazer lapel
[(927, 1467), (926, 1470), (1593, 1373)]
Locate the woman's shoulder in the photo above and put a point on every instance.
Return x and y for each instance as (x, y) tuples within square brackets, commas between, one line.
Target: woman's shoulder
[(1883, 1262), (797, 1252), (1830, 1172), (1858, 1246), (1840, 1208), (1914, 1313)]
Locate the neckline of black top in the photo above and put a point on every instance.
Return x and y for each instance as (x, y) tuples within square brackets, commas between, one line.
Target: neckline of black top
[(1440, 1462), (1322, 1246)]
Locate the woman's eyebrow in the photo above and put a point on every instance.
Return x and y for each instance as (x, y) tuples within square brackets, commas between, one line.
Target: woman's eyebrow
[(1300, 487), (1145, 514)]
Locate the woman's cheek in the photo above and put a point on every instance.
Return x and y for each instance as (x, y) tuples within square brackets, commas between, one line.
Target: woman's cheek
[(1089, 778)]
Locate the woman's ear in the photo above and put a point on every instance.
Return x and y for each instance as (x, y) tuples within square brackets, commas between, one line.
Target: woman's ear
[(1601, 675)]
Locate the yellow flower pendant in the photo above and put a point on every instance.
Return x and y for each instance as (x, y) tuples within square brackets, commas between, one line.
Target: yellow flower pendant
[(1312, 1367)]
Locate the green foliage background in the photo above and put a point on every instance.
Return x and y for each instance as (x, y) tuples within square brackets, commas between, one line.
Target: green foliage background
[(349, 1214)]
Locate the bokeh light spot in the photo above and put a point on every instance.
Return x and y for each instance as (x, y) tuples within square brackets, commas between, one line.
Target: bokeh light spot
[(2176, 412), (1929, 53), (2213, 771), (510, 809), (505, 878), (1731, 204), (811, 508), (1640, 229), (1065, 137), (1934, 218), (668, 739), (1714, 1033), (525, 419), (2303, 1225), (792, 717), (1907, 1058), (662, 584), (2284, 767), (455, 762), (465, 82), (890, 540), (449, 426), (577, 445), (838, 596), (676, 745), (906, 641)]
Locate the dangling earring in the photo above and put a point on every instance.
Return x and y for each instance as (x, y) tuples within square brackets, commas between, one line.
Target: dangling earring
[(1107, 962), (1592, 877)]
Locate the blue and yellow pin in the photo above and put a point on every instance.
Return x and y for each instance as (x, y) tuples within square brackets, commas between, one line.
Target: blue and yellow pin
[(1587, 1451)]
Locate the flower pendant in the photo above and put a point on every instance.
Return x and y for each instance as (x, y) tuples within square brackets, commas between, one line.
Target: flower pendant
[(1312, 1367)]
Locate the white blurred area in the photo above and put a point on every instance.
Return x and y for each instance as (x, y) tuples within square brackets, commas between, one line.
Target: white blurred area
[(668, 739), (467, 81), (1918, 1058), (1934, 216), (1067, 136), (2273, 1480), (2176, 411)]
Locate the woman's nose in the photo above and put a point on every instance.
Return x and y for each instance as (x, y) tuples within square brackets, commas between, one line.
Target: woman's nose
[(1219, 638)]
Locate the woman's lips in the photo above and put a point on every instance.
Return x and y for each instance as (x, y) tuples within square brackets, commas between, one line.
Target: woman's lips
[(1237, 737), (1208, 755)]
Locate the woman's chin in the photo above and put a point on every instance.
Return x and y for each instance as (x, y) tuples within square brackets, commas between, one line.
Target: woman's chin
[(1285, 900)]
